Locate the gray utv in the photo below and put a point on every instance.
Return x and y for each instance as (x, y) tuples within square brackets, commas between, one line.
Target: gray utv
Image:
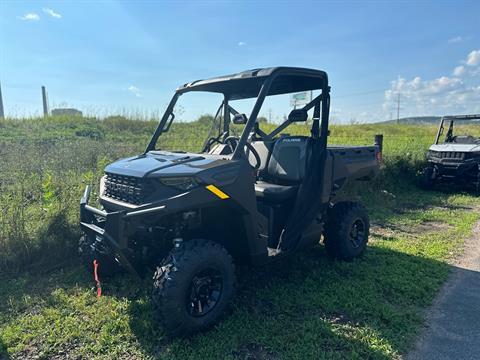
[(261, 196), (456, 159)]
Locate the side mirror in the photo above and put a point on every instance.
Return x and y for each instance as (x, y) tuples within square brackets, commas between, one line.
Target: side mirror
[(240, 119), (298, 115)]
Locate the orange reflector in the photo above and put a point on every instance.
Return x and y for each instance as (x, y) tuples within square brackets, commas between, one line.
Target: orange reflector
[(217, 192)]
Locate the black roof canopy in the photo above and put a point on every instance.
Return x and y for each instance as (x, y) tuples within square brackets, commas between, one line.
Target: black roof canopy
[(247, 84)]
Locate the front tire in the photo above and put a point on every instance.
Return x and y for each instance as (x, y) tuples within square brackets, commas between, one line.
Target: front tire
[(427, 178), (193, 286), (347, 230)]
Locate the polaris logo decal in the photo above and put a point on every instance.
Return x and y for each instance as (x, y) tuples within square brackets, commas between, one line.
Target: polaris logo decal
[(121, 188)]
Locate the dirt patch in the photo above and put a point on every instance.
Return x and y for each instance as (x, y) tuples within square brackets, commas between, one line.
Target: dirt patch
[(390, 231), (430, 226), (471, 251)]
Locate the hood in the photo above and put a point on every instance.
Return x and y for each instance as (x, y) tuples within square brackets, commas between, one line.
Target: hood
[(456, 147), (159, 163)]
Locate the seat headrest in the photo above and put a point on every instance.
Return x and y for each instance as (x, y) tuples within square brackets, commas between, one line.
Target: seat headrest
[(288, 160)]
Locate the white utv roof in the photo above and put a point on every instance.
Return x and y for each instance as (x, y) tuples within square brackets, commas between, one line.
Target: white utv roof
[(452, 147)]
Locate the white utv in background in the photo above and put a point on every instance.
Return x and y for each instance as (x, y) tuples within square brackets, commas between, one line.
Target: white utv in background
[(457, 159)]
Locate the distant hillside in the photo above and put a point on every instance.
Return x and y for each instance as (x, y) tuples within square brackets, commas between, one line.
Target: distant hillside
[(421, 120), (416, 120)]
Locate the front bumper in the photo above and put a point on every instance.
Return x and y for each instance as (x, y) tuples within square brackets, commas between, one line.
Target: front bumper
[(115, 227), (111, 227), (466, 173), (455, 169)]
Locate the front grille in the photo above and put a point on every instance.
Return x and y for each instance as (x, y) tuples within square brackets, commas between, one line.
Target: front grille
[(449, 155), (452, 155), (128, 189)]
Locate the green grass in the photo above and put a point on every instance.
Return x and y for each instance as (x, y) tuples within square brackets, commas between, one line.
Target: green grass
[(305, 307)]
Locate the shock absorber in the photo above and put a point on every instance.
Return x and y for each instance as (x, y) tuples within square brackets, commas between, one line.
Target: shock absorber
[(178, 246)]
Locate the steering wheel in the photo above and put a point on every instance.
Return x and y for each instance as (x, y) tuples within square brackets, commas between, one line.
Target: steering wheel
[(212, 140), (255, 155), (232, 142)]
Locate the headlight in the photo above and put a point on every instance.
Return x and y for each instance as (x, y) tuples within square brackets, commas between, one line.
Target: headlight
[(432, 153), (102, 184), (183, 183)]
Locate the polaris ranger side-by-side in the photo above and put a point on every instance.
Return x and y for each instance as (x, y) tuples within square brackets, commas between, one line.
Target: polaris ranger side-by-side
[(249, 199), (456, 159)]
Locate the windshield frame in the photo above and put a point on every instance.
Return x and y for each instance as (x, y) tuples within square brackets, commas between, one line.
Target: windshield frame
[(319, 127), (452, 119)]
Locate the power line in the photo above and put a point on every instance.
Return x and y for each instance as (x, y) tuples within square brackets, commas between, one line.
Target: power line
[(398, 108), (2, 113)]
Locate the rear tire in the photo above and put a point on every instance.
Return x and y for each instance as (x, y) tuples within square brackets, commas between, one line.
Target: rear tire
[(193, 286), (107, 267), (347, 230), (427, 179)]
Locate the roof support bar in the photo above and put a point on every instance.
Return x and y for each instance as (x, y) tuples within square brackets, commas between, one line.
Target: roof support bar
[(161, 125), (239, 150)]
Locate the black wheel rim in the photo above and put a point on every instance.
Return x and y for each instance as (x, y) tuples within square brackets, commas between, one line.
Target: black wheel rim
[(205, 292), (357, 233)]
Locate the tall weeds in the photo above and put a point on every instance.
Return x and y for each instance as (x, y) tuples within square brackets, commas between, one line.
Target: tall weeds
[(46, 163)]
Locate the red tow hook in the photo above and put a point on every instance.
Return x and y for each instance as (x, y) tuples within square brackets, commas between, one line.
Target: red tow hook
[(95, 275)]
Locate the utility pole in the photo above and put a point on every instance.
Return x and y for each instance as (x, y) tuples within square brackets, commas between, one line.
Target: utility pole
[(44, 101), (270, 115), (2, 113), (398, 108)]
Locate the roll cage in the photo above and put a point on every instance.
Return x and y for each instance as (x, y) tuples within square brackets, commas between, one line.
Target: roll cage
[(258, 83), (451, 119)]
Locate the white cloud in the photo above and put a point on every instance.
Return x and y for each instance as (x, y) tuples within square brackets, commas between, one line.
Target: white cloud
[(441, 95), (459, 70), (473, 59), (425, 87), (30, 17), (52, 13), (242, 43), (134, 90), (457, 93), (455, 39)]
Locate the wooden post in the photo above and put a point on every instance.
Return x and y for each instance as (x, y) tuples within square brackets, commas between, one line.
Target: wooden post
[(379, 141), (379, 144), (44, 101), (2, 113)]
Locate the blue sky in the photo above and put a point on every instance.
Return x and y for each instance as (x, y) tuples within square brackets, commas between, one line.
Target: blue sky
[(128, 57)]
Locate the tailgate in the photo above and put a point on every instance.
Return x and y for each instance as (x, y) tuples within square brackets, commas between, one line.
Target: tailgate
[(355, 162)]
